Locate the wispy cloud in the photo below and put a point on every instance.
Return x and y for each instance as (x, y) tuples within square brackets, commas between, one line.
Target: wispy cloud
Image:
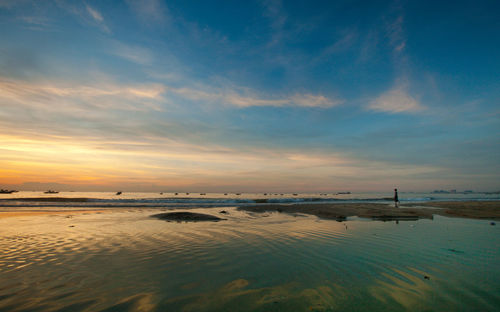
[(86, 14), (311, 100), (97, 17), (135, 54), (237, 99), (149, 11), (273, 10), (35, 20), (396, 100), (396, 34), (77, 133), (177, 165), (342, 43), (60, 95), (369, 44), (345, 41), (133, 96), (246, 101)]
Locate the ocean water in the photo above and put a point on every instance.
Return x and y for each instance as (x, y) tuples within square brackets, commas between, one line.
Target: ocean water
[(104, 200), (124, 260)]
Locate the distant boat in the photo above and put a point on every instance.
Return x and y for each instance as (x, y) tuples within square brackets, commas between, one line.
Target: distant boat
[(225, 193), (2, 191), (187, 193), (343, 193), (295, 194), (118, 193), (176, 194), (238, 193), (51, 192), (161, 193), (203, 193)]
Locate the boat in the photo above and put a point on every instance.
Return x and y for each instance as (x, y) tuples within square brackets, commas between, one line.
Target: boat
[(51, 192), (118, 193), (2, 191)]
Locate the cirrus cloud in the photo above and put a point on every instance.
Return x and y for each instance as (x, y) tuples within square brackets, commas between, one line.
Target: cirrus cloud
[(237, 99), (396, 100)]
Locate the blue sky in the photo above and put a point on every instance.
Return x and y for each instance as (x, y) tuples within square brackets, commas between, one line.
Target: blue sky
[(250, 96)]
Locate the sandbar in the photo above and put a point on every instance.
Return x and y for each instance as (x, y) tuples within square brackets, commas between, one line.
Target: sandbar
[(465, 209), (186, 216), (385, 212)]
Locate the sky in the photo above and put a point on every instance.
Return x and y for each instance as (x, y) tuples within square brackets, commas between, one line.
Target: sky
[(250, 96)]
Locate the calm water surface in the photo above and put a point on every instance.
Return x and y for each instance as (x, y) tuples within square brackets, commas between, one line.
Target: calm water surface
[(127, 261)]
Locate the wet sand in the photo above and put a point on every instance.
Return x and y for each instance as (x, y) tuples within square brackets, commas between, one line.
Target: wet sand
[(384, 212), (468, 209), (339, 212), (10, 214), (50, 199)]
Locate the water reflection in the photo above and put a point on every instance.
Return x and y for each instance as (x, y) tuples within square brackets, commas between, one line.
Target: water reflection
[(126, 260), (409, 289), (238, 295)]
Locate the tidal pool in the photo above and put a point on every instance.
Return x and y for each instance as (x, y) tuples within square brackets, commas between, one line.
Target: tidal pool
[(124, 260)]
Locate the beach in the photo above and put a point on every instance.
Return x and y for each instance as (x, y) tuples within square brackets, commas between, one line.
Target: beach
[(83, 257), (70, 251), (67, 213), (467, 209), (337, 211)]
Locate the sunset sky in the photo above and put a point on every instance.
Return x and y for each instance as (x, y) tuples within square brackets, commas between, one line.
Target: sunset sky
[(250, 96)]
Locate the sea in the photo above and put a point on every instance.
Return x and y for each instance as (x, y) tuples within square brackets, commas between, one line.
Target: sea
[(33, 200), (104, 252)]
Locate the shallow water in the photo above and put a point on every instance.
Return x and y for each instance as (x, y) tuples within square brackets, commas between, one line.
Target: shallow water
[(126, 261)]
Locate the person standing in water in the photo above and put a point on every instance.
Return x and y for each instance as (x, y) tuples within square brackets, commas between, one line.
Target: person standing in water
[(396, 199)]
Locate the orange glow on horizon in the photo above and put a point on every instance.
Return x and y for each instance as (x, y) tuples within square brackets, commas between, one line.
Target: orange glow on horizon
[(167, 164)]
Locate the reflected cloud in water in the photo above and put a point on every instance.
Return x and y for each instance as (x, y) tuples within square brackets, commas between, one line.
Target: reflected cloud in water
[(127, 260)]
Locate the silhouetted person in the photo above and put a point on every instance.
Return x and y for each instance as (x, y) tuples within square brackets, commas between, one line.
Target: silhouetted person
[(396, 199)]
